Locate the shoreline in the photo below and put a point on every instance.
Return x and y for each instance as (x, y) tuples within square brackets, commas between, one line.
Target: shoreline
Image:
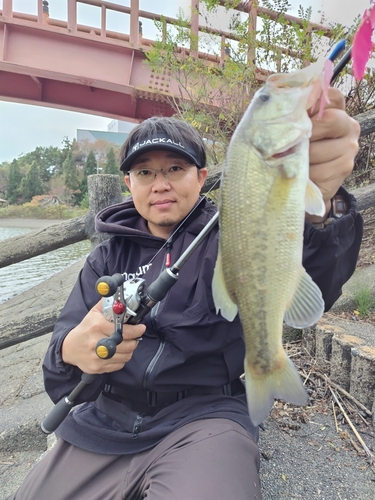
[(31, 223)]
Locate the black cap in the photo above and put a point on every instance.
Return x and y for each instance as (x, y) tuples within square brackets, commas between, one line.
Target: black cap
[(160, 142)]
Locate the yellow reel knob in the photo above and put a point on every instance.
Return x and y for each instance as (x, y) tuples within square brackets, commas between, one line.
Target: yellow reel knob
[(102, 288), (102, 352)]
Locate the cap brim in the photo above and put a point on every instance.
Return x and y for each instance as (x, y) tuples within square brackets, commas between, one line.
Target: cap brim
[(130, 159)]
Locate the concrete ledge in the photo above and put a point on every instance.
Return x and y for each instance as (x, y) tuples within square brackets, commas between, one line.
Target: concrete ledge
[(37, 308), (341, 358), (347, 351), (362, 377)]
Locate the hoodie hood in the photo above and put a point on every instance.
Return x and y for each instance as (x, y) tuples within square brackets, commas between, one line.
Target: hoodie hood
[(123, 219)]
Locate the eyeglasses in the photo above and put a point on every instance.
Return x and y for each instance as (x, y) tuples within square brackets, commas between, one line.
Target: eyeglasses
[(146, 176)]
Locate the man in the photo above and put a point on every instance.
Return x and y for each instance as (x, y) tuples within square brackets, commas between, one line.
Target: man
[(166, 417)]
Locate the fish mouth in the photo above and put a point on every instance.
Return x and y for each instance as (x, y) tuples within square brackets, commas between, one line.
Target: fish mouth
[(287, 152), (290, 150)]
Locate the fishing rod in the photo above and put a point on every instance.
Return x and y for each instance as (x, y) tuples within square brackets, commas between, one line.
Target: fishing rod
[(131, 301), (341, 64), (335, 52)]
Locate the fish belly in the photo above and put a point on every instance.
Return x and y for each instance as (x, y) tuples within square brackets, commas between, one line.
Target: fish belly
[(261, 257)]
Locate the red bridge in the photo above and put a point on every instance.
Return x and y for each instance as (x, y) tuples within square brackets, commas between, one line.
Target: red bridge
[(66, 65)]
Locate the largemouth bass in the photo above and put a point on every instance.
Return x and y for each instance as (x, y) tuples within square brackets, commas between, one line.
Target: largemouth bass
[(265, 192)]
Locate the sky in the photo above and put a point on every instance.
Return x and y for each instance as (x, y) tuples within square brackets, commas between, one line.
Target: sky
[(24, 127)]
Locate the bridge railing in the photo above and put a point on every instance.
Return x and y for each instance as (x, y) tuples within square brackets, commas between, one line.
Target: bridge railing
[(134, 19)]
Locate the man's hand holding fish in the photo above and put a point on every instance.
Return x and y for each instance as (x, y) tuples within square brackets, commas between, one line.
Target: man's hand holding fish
[(333, 147)]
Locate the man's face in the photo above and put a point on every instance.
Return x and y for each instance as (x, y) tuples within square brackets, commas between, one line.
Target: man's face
[(164, 203)]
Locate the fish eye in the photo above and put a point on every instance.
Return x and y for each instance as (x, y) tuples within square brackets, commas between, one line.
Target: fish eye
[(264, 97)]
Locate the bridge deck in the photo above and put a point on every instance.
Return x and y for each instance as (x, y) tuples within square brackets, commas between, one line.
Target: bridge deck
[(63, 64)]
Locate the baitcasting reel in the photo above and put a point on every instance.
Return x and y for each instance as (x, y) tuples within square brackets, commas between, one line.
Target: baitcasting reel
[(122, 302)]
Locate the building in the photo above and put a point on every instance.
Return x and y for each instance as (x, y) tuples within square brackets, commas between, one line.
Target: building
[(116, 133)]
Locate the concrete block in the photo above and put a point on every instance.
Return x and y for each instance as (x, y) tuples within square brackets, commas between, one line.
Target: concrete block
[(341, 358), (362, 379), (308, 340), (323, 339)]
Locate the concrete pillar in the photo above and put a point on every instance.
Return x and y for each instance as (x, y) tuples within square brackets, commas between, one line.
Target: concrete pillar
[(362, 380), (341, 359), (309, 340), (323, 339)]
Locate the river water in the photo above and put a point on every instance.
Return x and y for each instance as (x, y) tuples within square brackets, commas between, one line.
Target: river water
[(22, 276)]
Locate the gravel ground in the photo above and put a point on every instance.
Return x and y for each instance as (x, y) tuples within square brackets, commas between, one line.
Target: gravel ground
[(311, 463), (315, 462)]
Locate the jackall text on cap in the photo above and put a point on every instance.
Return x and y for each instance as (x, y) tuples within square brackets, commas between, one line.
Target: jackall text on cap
[(160, 142)]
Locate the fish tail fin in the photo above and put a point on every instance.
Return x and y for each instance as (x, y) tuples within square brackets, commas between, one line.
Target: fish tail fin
[(261, 390), (221, 297)]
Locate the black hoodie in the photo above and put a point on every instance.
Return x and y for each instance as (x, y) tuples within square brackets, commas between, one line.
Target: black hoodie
[(186, 345)]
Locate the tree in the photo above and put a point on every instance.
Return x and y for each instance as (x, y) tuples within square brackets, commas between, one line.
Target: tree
[(111, 166), (46, 158), (216, 89), (4, 176), (71, 177), (90, 169), (67, 147), (14, 182), (32, 184)]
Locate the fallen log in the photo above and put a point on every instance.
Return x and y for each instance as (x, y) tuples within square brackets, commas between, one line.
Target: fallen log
[(44, 240), (366, 121), (365, 196)]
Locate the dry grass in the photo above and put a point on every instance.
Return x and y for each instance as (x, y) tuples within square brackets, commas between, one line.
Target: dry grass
[(327, 398)]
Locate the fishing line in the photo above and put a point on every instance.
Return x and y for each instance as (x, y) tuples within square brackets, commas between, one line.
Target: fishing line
[(178, 228)]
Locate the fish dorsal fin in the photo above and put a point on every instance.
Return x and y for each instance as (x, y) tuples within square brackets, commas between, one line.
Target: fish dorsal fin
[(222, 300), (307, 305), (314, 203)]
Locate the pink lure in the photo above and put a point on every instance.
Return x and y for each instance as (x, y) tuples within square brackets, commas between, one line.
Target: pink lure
[(362, 43)]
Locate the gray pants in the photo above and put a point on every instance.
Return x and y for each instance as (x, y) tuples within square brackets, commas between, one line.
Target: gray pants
[(207, 459)]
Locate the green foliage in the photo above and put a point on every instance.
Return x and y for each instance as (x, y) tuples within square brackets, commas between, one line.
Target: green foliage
[(91, 168), (111, 166), (90, 164), (71, 178), (85, 201), (364, 300), (14, 182), (32, 185), (215, 95), (47, 159), (64, 152)]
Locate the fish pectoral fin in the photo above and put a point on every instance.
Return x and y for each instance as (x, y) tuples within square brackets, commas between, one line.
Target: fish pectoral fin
[(261, 390), (307, 306), (222, 300), (314, 203)]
